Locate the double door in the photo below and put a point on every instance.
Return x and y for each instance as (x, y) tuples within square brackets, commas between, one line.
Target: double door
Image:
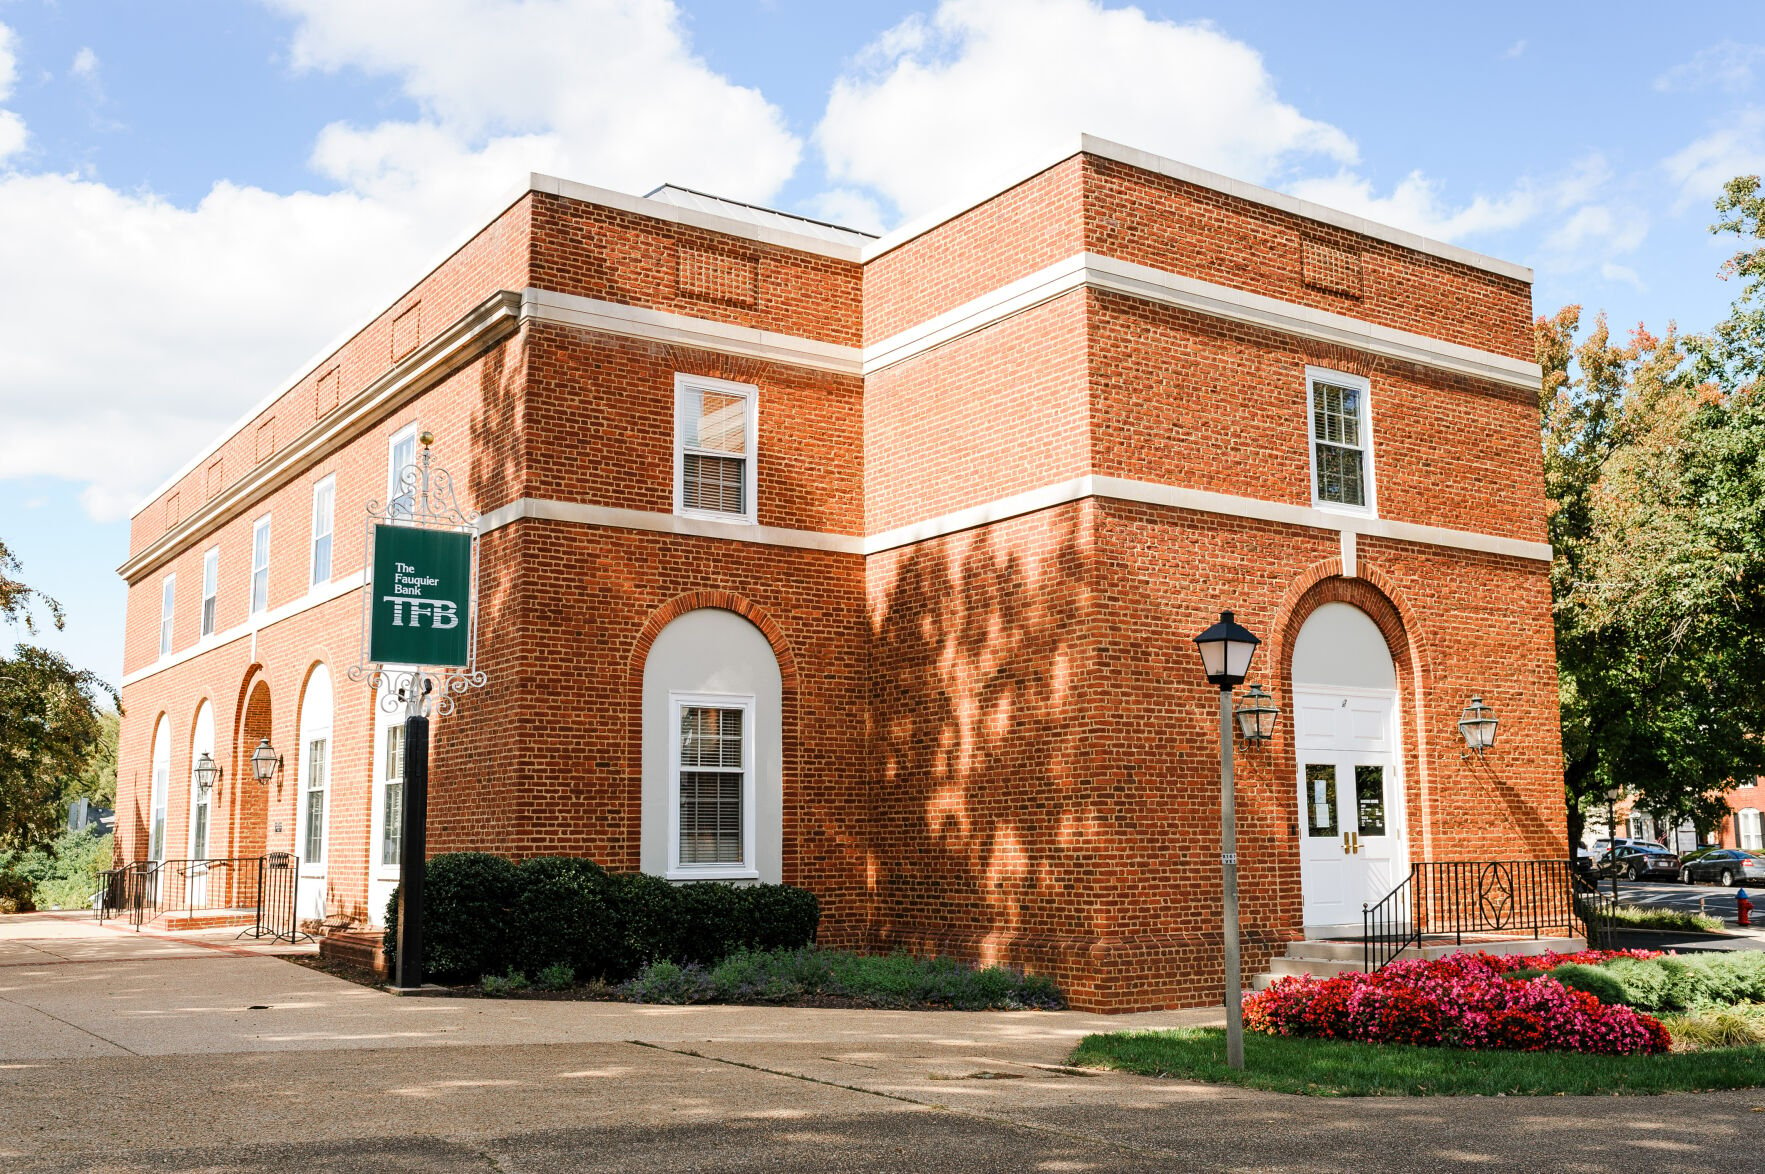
[(1351, 819)]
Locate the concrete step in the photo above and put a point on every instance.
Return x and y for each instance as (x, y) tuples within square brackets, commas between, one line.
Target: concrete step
[(207, 919), (363, 948)]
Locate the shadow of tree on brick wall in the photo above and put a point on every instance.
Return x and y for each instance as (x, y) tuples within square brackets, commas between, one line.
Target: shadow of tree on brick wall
[(980, 741)]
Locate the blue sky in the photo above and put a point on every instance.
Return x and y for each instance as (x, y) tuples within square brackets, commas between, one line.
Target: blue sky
[(215, 190)]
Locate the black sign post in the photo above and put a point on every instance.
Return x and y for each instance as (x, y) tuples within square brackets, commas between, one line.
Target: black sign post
[(407, 970)]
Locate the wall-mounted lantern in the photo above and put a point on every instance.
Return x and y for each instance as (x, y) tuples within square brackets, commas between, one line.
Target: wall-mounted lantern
[(1477, 724), (265, 762), (1256, 715), (207, 772)]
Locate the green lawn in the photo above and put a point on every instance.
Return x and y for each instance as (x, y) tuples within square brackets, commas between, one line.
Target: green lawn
[(1329, 1068)]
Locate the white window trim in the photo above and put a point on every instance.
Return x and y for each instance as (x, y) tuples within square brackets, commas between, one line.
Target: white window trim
[(408, 432), (1369, 478), (1743, 833), (168, 614), (377, 833), (307, 867), (312, 576), (262, 524), (207, 626), (751, 467), (748, 868)]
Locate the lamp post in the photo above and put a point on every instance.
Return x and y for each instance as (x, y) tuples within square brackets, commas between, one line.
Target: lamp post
[(1226, 649), (1477, 724), (208, 772)]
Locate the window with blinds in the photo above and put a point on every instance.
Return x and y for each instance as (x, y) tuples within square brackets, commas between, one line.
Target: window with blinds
[(714, 431), (711, 784), (392, 827), (1341, 474), (313, 840)]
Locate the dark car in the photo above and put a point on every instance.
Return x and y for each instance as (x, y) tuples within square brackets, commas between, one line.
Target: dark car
[(1637, 863), (1725, 866)]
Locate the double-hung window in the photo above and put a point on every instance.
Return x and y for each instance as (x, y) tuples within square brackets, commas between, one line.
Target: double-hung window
[(168, 590), (1341, 441), (324, 508), (712, 785), (714, 442), (211, 586), (313, 832), (260, 565), (401, 456), (392, 829)]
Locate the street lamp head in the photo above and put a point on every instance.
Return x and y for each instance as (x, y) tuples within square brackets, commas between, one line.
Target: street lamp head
[(1477, 724), (1226, 649), (1256, 716), (265, 762), (207, 772)]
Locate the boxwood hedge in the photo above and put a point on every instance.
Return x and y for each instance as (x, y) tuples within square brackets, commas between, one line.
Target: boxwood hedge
[(486, 915)]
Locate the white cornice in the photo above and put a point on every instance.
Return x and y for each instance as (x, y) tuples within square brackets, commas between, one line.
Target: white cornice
[(322, 594), (661, 523), (680, 329), (1009, 178), (483, 326), (1089, 270)]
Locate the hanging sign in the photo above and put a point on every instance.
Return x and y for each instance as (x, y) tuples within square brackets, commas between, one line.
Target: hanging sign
[(420, 612)]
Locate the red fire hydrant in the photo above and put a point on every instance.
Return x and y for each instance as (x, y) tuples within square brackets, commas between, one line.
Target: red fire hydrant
[(1743, 908)]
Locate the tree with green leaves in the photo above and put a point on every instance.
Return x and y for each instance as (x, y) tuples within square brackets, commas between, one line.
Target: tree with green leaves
[(50, 723), (1655, 468)]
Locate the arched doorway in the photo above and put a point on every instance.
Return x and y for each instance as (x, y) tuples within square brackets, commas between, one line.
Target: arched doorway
[(1354, 844), (248, 801), (201, 801), (160, 789), (312, 821)]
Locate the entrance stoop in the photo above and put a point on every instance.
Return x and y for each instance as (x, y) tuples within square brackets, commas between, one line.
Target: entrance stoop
[(1326, 958)]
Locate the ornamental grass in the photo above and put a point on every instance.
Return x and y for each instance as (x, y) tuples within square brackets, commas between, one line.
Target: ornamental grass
[(1460, 1001)]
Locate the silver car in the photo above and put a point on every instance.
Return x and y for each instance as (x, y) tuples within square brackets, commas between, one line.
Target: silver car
[(1725, 866)]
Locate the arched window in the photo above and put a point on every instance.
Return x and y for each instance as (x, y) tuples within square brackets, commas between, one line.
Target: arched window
[(1751, 835), (313, 772), (161, 789), (712, 751), (201, 743)]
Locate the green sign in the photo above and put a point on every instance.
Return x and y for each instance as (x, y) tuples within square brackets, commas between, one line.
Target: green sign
[(421, 611)]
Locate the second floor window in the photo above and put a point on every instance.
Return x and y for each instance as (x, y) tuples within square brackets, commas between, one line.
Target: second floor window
[(324, 507), (211, 586), (401, 455), (1341, 450), (260, 565), (167, 591), (714, 433)]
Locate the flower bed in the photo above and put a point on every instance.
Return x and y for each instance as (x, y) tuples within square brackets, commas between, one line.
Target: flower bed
[(1461, 1001)]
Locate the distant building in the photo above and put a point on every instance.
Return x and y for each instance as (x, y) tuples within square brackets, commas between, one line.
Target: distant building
[(914, 534)]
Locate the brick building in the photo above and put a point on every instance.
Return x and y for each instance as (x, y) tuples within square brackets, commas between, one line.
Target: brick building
[(914, 533)]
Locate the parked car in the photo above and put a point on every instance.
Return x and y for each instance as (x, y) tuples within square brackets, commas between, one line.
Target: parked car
[(1599, 845), (1638, 863), (1725, 866)]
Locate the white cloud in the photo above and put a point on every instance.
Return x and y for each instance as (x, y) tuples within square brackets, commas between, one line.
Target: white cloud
[(848, 209), (1703, 166), (1616, 273), (135, 330), (1416, 203), (934, 108), (1514, 50), (85, 64), (8, 62), (1726, 64)]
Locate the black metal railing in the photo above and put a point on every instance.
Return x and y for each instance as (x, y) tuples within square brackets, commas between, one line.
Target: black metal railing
[(1453, 898), (229, 889), (1597, 910)]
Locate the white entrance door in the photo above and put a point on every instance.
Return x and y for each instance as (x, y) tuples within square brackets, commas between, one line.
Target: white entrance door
[(1353, 846)]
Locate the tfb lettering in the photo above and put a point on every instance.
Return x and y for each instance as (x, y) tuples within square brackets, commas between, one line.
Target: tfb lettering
[(441, 613)]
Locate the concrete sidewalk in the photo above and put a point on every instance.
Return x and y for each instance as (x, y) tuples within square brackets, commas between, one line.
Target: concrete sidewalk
[(133, 1054)]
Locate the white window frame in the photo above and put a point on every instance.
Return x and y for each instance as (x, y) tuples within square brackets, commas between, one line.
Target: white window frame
[(1369, 480), (168, 611), (261, 526), (747, 868), (308, 865), (383, 768), (159, 793), (320, 487), (751, 470), (393, 467), (209, 617), (1743, 832)]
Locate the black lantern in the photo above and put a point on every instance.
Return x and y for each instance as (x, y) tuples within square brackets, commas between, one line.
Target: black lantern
[(1478, 724), (207, 772), (265, 762), (1256, 716), (1226, 649)]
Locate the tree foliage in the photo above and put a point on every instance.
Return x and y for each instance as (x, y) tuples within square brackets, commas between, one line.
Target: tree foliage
[(1654, 453)]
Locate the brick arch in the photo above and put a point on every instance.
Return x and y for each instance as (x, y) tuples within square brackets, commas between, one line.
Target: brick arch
[(788, 678), (1379, 598), (725, 601)]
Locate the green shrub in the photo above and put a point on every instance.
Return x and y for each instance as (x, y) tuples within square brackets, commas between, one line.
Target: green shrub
[(1595, 980), (1735, 1027), (507, 984), (16, 893), (561, 916), (668, 982), (468, 896), (646, 912), (555, 978), (1689, 982), (783, 917)]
